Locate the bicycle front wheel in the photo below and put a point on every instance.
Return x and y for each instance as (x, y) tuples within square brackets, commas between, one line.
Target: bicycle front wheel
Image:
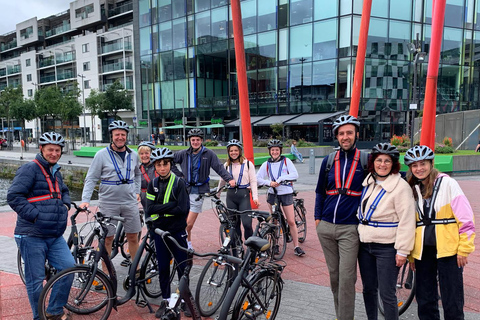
[(82, 297), (21, 266), (150, 274), (405, 290), (301, 222), (261, 300), (278, 241), (212, 287)]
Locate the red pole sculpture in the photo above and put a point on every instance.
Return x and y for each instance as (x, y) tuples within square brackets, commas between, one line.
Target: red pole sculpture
[(242, 80), (427, 137), (360, 63)]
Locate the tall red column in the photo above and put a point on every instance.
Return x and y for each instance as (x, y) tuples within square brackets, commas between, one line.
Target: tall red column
[(242, 80), (360, 63), (427, 137)]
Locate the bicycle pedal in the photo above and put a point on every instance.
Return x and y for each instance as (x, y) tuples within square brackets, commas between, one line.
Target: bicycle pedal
[(142, 303), (125, 263)]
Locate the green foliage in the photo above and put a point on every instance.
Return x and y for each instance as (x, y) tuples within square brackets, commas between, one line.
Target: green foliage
[(403, 140), (303, 143), (94, 102), (277, 129), (116, 98), (260, 143), (447, 141), (210, 143), (441, 148)]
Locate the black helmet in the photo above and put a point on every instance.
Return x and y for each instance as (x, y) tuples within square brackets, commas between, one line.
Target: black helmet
[(195, 133), (418, 153), (52, 138), (161, 154), (234, 142), (274, 143), (386, 148), (118, 124), (147, 144), (343, 120)]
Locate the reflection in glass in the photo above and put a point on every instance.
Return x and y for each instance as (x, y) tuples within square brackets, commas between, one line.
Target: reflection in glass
[(249, 16), (325, 40), (451, 46), (323, 86), (219, 23), (165, 35), (179, 31), (325, 9), (453, 13), (300, 11), (267, 15), (267, 49), (300, 43)]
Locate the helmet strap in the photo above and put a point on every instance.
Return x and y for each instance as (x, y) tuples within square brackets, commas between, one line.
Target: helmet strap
[(120, 149)]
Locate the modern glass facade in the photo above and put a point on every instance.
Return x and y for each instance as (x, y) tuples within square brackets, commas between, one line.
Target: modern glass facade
[(300, 57)]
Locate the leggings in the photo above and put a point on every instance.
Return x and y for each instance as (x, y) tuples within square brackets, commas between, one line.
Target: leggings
[(239, 199)]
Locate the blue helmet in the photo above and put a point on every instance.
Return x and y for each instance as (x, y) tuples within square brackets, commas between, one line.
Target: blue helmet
[(418, 153)]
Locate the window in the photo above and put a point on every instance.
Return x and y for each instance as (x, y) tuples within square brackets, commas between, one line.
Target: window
[(85, 47), (28, 62), (30, 92), (86, 84), (86, 66), (29, 77)]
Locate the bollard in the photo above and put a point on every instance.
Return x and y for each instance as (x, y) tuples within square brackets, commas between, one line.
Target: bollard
[(311, 162)]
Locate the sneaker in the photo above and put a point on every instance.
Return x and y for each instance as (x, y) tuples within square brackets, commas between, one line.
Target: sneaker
[(161, 310), (63, 316), (125, 263), (186, 310), (298, 251)]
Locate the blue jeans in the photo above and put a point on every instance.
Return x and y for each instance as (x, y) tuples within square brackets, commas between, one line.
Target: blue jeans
[(298, 155), (378, 270), (35, 251), (450, 278)]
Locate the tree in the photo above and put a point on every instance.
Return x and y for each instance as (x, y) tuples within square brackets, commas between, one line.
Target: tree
[(71, 108), (277, 129), (94, 103), (10, 98), (24, 111), (49, 103), (116, 98)]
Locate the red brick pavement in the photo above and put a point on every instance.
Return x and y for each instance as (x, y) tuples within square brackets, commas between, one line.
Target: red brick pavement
[(310, 268)]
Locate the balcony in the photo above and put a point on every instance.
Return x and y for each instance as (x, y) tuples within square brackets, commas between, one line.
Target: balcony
[(128, 86), (3, 72), (26, 35), (10, 45), (117, 66), (117, 46), (121, 9), (14, 69), (67, 74), (47, 78), (66, 57), (58, 30)]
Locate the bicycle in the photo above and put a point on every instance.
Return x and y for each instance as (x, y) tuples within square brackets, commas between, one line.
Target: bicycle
[(254, 244), (405, 289), (85, 299), (75, 242), (300, 217)]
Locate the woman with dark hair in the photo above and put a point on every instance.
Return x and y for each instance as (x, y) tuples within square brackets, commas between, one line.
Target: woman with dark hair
[(386, 229), (444, 236)]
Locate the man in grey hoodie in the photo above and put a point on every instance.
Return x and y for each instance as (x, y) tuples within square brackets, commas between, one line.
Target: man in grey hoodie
[(117, 168)]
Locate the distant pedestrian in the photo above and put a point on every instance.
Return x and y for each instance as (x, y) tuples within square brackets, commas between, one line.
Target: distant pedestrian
[(477, 149), (295, 152), (161, 138)]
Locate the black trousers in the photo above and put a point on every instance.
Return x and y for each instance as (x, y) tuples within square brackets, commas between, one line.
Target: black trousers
[(239, 199)]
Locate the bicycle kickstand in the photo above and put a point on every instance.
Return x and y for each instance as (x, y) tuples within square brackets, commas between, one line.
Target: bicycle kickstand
[(142, 301)]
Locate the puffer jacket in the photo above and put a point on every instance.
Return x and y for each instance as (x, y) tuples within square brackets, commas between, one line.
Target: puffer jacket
[(47, 218)]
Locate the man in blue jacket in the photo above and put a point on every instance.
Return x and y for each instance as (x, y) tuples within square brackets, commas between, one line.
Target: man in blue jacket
[(337, 198), (195, 163), (41, 201)]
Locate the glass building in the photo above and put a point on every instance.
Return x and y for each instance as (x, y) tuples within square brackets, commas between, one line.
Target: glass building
[(300, 57)]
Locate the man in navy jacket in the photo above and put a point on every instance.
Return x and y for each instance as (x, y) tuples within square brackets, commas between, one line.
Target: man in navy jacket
[(41, 201), (337, 198)]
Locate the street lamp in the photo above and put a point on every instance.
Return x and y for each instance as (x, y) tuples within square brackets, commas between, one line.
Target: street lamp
[(183, 119), (419, 58), (84, 118), (37, 133), (148, 100)]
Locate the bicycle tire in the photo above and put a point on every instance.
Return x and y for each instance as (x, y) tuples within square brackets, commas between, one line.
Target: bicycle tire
[(20, 266), (301, 222), (149, 271), (212, 287), (94, 305), (278, 241), (268, 288), (405, 290)]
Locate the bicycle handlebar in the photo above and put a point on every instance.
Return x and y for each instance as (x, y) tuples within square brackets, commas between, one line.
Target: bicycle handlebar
[(227, 258), (77, 211), (101, 217)]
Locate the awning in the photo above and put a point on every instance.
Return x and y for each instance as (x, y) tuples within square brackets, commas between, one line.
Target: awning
[(211, 126), (311, 118), (236, 123), (178, 126), (275, 119)]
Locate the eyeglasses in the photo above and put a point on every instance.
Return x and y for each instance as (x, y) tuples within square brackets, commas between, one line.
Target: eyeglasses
[(380, 161)]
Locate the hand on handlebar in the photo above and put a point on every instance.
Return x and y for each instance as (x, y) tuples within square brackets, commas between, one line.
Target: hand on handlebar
[(232, 183)]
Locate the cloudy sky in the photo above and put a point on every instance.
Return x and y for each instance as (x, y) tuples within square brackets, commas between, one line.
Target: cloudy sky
[(15, 11)]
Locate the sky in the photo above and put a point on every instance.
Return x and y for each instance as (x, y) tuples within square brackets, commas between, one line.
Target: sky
[(15, 11)]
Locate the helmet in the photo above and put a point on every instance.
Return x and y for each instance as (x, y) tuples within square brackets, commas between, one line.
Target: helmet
[(234, 142), (386, 148), (418, 153), (118, 124), (343, 120), (195, 133), (147, 144), (52, 138), (161, 154), (274, 143)]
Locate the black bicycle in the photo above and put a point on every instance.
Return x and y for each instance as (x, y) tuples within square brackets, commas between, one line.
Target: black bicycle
[(84, 296), (405, 289)]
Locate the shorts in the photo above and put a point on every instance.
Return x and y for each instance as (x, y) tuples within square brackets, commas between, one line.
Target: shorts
[(195, 206), (130, 212), (283, 199)]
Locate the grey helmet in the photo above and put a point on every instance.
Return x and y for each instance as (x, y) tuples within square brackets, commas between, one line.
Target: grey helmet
[(147, 144), (418, 153), (234, 142), (161, 154), (51, 138), (118, 124), (386, 148), (274, 143), (195, 133), (343, 120)]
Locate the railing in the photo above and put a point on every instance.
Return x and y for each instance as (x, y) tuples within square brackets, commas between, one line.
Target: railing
[(66, 57), (47, 78), (46, 62), (14, 69), (121, 9), (128, 85), (116, 46), (117, 66), (65, 75), (10, 45), (57, 30), (3, 87), (3, 72)]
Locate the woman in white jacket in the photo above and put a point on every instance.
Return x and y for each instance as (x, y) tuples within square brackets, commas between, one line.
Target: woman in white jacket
[(272, 173), (386, 230)]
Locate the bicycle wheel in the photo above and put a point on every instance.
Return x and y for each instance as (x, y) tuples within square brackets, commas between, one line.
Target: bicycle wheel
[(149, 272), (266, 290), (212, 287), (21, 266), (301, 222), (82, 298), (405, 290), (278, 241)]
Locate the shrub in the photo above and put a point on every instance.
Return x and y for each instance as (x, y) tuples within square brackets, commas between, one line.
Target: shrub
[(447, 142), (211, 143), (403, 148), (406, 141), (260, 144), (441, 148), (303, 143), (396, 140)]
